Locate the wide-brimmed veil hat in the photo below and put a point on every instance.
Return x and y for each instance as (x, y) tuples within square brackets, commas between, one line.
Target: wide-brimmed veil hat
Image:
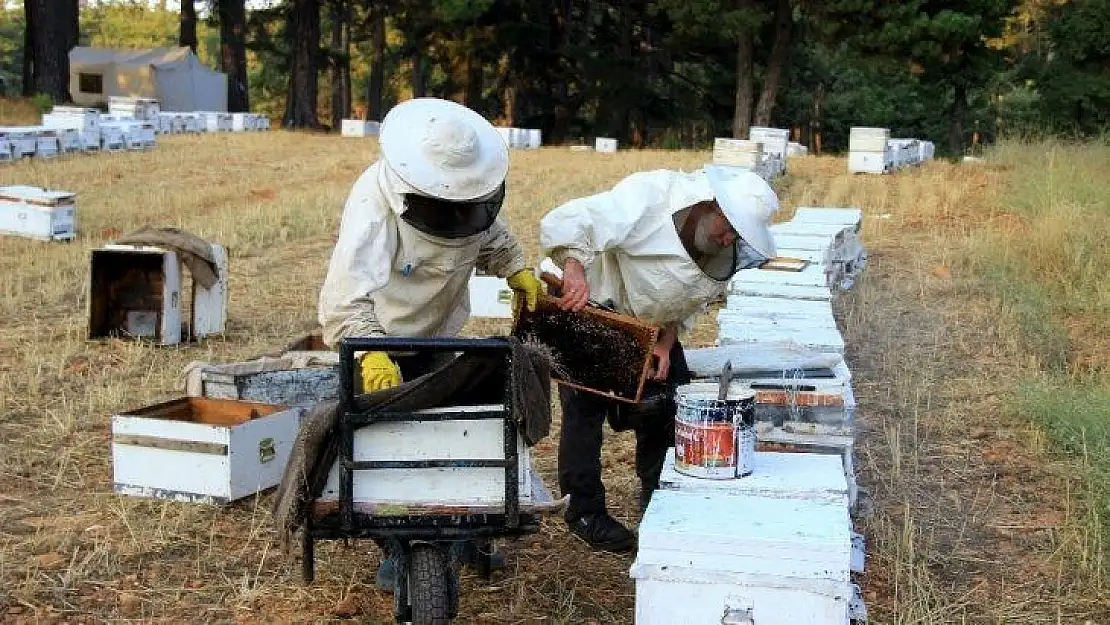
[(444, 149), (748, 202)]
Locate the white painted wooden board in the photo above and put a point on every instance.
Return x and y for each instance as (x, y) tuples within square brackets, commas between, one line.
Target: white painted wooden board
[(210, 305), (779, 290), (798, 227), (803, 242), (821, 338), (481, 439), (603, 144), (807, 476), (256, 454), (851, 217), (490, 297), (775, 308), (813, 275), (780, 561)]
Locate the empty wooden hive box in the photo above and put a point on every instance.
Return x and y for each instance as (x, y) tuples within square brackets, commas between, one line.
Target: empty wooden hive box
[(137, 291)]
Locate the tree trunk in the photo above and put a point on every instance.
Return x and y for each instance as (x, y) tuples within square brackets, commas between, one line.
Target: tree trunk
[(73, 37), (815, 120), (474, 77), (780, 50), (418, 84), (742, 114), (188, 33), (233, 53), (51, 35), (620, 117), (341, 62), (375, 86), (956, 130), (30, 24), (304, 42)]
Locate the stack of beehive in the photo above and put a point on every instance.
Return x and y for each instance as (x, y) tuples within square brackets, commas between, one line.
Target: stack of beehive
[(521, 138), (871, 150), (776, 142), (359, 128), (747, 154), (777, 546)]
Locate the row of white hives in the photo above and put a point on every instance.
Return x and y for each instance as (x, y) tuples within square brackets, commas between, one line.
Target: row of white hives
[(515, 138), (871, 150), (66, 130), (776, 546)]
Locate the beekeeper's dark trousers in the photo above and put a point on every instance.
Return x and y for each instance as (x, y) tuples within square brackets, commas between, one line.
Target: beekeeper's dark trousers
[(584, 415)]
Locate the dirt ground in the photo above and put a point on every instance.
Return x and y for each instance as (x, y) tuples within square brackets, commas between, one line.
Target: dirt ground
[(972, 521)]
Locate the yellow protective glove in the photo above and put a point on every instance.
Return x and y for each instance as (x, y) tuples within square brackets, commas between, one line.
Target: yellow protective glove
[(524, 283), (378, 372)]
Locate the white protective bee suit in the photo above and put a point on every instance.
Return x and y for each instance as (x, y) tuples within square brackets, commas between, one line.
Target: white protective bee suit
[(627, 239), (388, 278)]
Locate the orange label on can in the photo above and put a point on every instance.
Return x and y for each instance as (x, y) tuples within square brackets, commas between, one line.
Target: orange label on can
[(709, 446)]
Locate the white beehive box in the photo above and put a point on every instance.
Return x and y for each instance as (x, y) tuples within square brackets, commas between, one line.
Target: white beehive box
[(112, 137), (816, 334), (264, 122), (812, 275), (603, 144), (136, 292), (775, 308), (23, 139), (47, 143), (490, 297), (775, 140), (81, 119), (708, 558), (869, 162), (202, 450), (737, 152), (291, 380), (70, 140), (867, 139), (535, 138), (850, 217), (811, 477), (796, 149), (90, 140), (359, 128), (38, 213), (5, 150), (450, 439), (215, 121), (138, 108)]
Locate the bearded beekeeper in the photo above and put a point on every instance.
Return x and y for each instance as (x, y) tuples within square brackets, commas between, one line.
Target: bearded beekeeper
[(659, 246), (416, 225)]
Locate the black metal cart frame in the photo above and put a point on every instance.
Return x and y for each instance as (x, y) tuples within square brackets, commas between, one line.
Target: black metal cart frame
[(401, 531)]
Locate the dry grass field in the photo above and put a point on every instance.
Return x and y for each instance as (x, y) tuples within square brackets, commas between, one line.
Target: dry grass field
[(976, 516)]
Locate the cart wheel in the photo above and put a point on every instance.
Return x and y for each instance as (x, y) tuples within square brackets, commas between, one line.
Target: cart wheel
[(430, 586)]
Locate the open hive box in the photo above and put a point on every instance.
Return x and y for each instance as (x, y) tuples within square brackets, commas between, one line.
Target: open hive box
[(202, 450), (593, 350)]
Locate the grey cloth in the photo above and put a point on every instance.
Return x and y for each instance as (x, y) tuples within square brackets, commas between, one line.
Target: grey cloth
[(194, 251), (471, 377)]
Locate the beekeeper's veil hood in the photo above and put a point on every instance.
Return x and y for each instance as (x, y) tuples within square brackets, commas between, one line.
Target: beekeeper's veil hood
[(448, 165), (749, 204)]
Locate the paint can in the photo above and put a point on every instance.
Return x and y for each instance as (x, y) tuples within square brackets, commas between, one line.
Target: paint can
[(714, 438)]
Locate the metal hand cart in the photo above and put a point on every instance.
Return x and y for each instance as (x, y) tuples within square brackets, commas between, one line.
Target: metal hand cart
[(429, 543)]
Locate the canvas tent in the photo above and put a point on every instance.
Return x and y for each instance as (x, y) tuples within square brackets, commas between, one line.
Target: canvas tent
[(174, 76)]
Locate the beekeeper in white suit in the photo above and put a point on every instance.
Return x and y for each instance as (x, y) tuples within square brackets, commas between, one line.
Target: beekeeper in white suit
[(659, 246), (416, 224)]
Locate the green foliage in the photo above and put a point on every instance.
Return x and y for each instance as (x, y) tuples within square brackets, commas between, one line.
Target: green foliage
[(43, 102), (11, 51)]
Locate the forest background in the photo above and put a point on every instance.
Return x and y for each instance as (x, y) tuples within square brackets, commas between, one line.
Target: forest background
[(660, 73)]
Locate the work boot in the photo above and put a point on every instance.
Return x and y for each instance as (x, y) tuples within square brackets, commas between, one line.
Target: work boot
[(603, 532)]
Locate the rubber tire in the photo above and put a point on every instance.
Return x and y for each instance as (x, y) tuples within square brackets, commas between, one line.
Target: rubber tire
[(429, 581)]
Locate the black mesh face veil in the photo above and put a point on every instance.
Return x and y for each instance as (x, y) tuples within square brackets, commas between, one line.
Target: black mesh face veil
[(717, 261), (452, 220)]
